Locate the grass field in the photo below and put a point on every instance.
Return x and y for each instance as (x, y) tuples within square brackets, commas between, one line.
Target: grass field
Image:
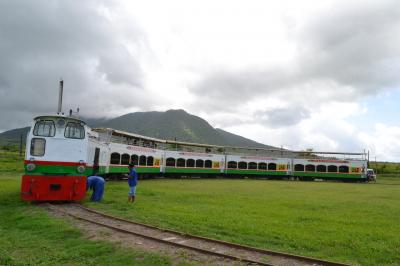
[(344, 222), (353, 223)]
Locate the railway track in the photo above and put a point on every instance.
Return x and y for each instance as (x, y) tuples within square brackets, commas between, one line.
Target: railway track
[(210, 247)]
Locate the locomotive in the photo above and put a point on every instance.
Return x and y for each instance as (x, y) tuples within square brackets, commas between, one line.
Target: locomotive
[(61, 151)]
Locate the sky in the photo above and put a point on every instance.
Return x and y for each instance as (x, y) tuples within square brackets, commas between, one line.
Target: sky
[(298, 74)]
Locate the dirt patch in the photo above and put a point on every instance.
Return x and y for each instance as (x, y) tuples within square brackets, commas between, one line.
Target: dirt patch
[(178, 255)]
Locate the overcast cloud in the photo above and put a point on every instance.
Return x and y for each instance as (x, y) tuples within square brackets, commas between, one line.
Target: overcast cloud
[(298, 74)]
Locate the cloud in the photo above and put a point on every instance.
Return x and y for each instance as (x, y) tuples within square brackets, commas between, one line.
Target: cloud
[(356, 46), (343, 53), (326, 130), (282, 117), (383, 142), (43, 41)]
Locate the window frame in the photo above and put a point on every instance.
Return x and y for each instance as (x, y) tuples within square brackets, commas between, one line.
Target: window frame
[(199, 163), (168, 162), (150, 161), (297, 167), (36, 124), (113, 159), (123, 159), (262, 168), (76, 123), (231, 163), (44, 149)]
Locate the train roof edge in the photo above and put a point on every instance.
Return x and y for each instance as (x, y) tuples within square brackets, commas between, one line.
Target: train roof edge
[(124, 133), (59, 116)]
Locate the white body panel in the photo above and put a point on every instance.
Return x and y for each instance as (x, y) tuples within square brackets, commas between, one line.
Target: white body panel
[(131, 150), (198, 156), (361, 165), (260, 159), (58, 148)]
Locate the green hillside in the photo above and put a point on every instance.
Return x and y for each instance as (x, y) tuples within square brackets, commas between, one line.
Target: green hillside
[(10, 140)]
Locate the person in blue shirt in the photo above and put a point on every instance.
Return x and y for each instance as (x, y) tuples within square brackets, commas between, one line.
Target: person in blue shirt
[(132, 182), (96, 183)]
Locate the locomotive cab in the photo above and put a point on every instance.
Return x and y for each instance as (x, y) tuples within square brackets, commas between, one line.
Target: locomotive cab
[(371, 176), (55, 166)]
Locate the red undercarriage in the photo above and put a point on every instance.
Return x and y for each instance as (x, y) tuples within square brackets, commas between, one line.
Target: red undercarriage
[(53, 188)]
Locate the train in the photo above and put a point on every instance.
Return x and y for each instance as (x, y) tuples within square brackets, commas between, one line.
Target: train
[(62, 150)]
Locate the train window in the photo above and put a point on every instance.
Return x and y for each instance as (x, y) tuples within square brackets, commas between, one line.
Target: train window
[(232, 165), (310, 168), (74, 131), (38, 146), (208, 164), (262, 166), (115, 158), (180, 162), (299, 167), (44, 128), (321, 168), (272, 166), (150, 161), (190, 163), (135, 159), (125, 159), (252, 165), (142, 160), (170, 162), (242, 165), (199, 163), (332, 168), (343, 169)]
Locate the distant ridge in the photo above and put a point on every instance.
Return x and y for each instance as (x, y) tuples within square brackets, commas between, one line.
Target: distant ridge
[(13, 136), (164, 125)]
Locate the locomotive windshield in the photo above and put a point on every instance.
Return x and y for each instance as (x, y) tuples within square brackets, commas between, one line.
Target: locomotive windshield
[(74, 131), (44, 128)]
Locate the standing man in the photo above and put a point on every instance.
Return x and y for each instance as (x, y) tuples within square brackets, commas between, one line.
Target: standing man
[(132, 182)]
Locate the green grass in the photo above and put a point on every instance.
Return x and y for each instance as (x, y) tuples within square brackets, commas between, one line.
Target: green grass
[(11, 162), (385, 167), (29, 236), (352, 223)]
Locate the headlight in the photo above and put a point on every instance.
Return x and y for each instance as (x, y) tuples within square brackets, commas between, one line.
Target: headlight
[(30, 167), (81, 169)]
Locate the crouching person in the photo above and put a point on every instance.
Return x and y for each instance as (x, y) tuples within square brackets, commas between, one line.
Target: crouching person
[(95, 183)]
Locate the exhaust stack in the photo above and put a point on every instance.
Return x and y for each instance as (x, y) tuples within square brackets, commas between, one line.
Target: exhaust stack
[(60, 95)]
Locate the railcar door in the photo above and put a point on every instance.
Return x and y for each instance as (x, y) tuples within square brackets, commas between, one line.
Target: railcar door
[(96, 161)]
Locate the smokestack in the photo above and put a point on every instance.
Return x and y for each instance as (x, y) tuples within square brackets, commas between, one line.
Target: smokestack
[(60, 95)]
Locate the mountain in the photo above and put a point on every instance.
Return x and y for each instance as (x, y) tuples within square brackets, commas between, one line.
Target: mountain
[(172, 124), (13, 136)]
